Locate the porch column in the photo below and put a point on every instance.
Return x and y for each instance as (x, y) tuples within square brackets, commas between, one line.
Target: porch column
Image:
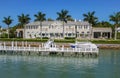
[(110, 35), (18, 34), (101, 33)]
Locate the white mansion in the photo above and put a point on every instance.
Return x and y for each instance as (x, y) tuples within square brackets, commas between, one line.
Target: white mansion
[(54, 29)]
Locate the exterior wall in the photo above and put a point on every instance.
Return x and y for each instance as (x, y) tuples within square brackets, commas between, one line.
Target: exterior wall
[(101, 33), (118, 29), (55, 29)]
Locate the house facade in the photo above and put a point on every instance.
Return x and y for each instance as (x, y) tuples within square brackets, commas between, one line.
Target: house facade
[(54, 29)]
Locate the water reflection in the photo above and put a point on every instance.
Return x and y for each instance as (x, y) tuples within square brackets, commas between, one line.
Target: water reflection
[(76, 62)]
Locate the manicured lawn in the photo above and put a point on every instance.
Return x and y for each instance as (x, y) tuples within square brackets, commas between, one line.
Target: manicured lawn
[(62, 41)]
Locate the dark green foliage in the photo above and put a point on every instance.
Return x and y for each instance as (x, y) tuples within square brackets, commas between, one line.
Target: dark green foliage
[(65, 41), (4, 35), (23, 19), (103, 24), (69, 37), (50, 19), (62, 40), (8, 21), (116, 19), (118, 35), (45, 37), (90, 18), (40, 17), (63, 15)]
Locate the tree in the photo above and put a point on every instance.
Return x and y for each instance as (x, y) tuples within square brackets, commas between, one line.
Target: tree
[(103, 24), (23, 19), (40, 17), (63, 16), (0, 31), (90, 18), (70, 19), (8, 21), (50, 19), (116, 19)]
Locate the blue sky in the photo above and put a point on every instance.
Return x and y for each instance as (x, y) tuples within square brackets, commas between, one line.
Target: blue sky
[(76, 8)]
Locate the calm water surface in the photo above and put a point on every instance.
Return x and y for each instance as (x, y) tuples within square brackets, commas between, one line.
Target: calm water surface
[(107, 65)]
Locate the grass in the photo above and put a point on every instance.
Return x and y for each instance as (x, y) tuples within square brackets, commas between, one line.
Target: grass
[(62, 40)]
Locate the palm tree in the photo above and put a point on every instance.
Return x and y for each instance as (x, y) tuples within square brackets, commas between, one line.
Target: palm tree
[(23, 19), (90, 18), (8, 21), (63, 16), (116, 19), (40, 17), (0, 31)]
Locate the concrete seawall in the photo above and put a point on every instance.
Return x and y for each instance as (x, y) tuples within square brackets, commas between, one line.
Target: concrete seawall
[(108, 46)]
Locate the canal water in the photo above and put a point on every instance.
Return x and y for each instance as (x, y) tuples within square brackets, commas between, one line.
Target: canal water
[(106, 65)]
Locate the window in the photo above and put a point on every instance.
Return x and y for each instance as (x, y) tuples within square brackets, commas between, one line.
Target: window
[(82, 32)]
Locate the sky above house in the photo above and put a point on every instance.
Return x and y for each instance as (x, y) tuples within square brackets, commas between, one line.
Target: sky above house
[(76, 8)]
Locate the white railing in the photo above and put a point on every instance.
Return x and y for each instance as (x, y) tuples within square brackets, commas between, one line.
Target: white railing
[(15, 47)]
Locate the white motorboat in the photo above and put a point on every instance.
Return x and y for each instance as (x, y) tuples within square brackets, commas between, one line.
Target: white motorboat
[(50, 45), (83, 45)]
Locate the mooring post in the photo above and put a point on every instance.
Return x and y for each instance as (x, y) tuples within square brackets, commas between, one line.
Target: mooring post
[(24, 48), (67, 49), (4, 45), (39, 47), (16, 45), (45, 48), (29, 47), (26, 44), (0, 45), (79, 49), (63, 47), (73, 49), (22, 44), (12, 44), (42, 44), (19, 48)]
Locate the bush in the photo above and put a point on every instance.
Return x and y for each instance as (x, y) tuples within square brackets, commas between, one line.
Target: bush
[(118, 35), (69, 37), (45, 38), (64, 41), (4, 35)]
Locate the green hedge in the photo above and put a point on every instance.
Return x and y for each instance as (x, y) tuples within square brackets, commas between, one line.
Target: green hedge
[(20, 39), (69, 37), (64, 41)]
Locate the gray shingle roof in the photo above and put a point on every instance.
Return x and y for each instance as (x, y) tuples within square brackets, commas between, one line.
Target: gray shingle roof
[(47, 23)]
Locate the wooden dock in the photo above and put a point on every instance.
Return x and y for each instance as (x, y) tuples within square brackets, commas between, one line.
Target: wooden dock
[(27, 49)]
